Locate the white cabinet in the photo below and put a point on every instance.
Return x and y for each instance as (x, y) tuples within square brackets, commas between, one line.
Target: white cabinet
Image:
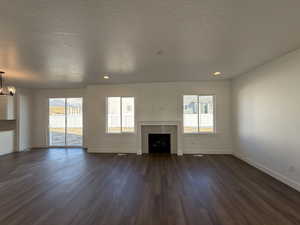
[(7, 142), (7, 108)]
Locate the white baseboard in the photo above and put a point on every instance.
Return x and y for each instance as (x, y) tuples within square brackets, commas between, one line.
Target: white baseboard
[(185, 151), (5, 153), (111, 150), (208, 151), (272, 173)]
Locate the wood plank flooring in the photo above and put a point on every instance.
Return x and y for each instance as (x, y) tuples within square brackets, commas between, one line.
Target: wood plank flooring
[(69, 186)]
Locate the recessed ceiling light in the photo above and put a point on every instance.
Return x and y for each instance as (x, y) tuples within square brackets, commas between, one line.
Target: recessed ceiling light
[(217, 73), (106, 77)]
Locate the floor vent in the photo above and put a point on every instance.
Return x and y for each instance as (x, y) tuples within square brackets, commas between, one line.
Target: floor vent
[(122, 154)]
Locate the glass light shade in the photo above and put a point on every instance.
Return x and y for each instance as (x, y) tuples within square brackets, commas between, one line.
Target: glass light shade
[(11, 90), (3, 91)]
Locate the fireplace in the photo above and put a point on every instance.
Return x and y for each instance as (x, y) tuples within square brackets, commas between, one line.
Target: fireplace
[(159, 143), (169, 128)]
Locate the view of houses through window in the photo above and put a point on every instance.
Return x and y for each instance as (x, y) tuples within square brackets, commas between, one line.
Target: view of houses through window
[(65, 121), (198, 113), (120, 114)]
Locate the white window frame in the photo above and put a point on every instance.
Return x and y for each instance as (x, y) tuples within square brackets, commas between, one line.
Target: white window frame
[(106, 116), (214, 115)]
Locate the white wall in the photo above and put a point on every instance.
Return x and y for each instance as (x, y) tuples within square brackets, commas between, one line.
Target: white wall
[(154, 102), (24, 119), (40, 104), (158, 102), (266, 106)]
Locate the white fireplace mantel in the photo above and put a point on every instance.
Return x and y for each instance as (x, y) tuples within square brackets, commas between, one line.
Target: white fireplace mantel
[(160, 123)]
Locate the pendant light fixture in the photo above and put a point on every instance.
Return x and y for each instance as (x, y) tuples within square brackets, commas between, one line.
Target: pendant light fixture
[(6, 91)]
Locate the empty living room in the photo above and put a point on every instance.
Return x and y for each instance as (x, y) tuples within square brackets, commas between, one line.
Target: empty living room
[(149, 112)]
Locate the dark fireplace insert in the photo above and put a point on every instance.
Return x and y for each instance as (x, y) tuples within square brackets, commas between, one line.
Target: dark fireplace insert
[(159, 143)]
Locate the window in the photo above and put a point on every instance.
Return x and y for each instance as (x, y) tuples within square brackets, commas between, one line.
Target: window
[(120, 114), (198, 113), (65, 121)]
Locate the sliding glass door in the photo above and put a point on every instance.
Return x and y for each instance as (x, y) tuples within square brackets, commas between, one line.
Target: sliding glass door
[(65, 122), (74, 122), (57, 121)]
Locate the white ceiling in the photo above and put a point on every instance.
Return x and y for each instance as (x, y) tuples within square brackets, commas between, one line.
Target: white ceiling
[(64, 43)]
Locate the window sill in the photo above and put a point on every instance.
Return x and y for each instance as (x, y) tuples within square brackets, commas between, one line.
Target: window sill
[(202, 133), (123, 133)]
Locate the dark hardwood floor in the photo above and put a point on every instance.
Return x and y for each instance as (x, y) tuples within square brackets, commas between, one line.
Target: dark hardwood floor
[(69, 186)]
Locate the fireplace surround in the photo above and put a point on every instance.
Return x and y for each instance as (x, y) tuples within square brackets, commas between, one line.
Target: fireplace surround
[(159, 127)]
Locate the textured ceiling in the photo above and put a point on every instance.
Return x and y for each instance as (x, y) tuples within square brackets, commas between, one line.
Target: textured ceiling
[(63, 43)]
